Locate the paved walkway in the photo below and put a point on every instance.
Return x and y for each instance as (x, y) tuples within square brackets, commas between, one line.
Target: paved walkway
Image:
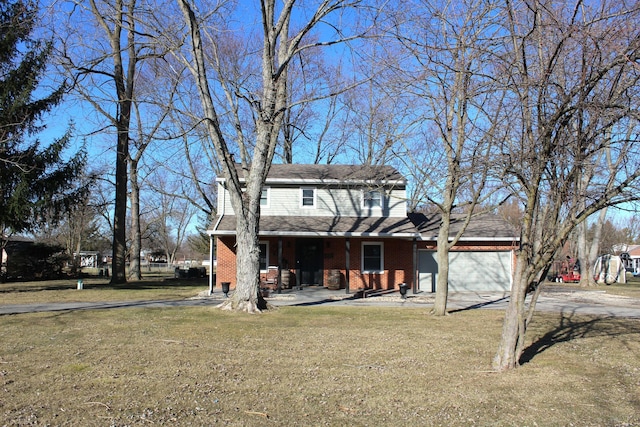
[(572, 301)]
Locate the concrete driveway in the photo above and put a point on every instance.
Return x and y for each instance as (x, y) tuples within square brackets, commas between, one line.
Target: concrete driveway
[(565, 301), (555, 299)]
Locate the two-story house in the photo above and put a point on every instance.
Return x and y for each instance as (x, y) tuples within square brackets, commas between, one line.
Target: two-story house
[(347, 226)]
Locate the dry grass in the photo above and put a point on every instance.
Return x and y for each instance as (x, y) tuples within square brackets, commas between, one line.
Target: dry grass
[(152, 287), (630, 289), (312, 366)]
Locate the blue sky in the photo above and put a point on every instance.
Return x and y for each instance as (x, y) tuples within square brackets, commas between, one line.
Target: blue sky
[(100, 145)]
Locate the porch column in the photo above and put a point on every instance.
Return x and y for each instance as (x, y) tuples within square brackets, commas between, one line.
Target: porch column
[(415, 266), (279, 278), (347, 249), (211, 275)]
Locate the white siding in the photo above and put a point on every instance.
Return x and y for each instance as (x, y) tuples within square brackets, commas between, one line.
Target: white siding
[(285, 201)]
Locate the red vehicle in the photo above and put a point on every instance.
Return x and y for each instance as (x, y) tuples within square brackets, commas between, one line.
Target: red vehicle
[(572, 276), (567, 271)]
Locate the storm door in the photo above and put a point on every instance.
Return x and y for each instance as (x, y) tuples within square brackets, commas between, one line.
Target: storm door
[(310, 261)]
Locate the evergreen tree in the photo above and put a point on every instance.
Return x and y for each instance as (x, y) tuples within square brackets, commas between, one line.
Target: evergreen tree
[(37, 182)]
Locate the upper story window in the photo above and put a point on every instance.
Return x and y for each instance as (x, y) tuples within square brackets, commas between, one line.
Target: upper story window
[(264, 197), (308, 197), (372, 199)]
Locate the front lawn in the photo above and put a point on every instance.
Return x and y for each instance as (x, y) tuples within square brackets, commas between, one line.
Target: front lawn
[(312, 366), (154, 287)]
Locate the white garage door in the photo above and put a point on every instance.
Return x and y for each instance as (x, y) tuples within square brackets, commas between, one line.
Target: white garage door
[(468, 271)]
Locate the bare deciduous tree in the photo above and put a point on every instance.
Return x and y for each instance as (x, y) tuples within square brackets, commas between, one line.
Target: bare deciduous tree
[(572, 73), (170, 216), (266, 100), (104, 73), (462, 113), (157, 90)]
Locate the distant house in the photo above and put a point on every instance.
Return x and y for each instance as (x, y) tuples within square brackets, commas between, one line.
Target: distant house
[(633, 263), (344, 226), (88, 259)]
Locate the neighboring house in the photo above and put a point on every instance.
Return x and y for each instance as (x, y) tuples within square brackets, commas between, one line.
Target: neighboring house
[(633, 263), (347, 226), (89, 259)]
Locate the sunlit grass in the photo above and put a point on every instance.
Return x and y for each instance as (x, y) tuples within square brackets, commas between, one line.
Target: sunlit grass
[(629, 289), (321, 365)]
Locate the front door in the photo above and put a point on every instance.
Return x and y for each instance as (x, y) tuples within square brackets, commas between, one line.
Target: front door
[(309, 261)]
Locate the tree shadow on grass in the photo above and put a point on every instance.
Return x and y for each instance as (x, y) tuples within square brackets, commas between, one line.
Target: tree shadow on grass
[(573, 327), (479, 305)]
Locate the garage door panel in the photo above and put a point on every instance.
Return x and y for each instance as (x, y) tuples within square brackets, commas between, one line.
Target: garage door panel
[(479, 271), (469, 271)]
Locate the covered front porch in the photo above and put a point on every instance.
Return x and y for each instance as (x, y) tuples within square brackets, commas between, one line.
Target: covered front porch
[(341, 253), (350, 264)]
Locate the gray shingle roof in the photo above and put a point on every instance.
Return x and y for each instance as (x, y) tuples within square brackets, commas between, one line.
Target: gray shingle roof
[(327, 226), (331, 173), (487, 226)]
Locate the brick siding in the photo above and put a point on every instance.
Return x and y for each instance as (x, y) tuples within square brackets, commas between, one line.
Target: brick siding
[(398, 260)]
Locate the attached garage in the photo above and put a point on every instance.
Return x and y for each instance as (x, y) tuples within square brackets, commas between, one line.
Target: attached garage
[(469, 271)]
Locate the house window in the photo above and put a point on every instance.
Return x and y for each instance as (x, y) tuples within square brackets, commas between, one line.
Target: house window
[(308, 197), (264, 257), (372, 199), (264, 197), (372, 257)]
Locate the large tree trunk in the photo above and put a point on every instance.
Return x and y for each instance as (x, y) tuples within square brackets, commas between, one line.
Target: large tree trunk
[(135, 271), (279, 48), (513, 327), (120, 212), (588, 253), (123, 75), (594, 250), (246, 296), (442, 255), (581, 243)]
